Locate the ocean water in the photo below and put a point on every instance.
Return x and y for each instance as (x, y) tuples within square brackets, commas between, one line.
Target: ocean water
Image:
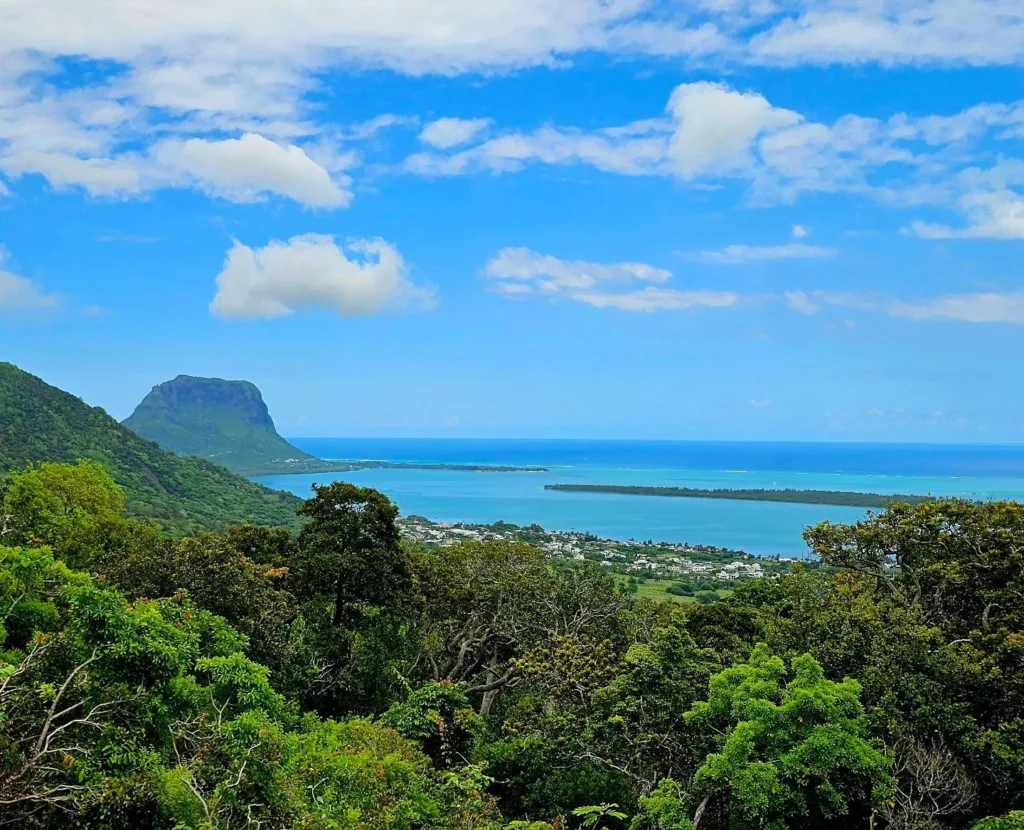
[(977, 471)]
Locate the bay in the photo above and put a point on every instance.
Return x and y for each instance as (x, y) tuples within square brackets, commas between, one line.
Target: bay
[(765, 528)]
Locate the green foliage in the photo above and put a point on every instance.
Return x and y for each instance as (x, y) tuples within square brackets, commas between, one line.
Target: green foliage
[(155, 682), (439, 719), (1013, 821), (146, 715), (184, 494), (225, 421), (599, 815), (663, 809), (792, 755)]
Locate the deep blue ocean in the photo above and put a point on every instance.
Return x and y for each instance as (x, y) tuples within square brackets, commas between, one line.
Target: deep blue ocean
[(974, 471)]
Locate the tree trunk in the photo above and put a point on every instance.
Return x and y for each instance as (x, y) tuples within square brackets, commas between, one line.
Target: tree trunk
[(488, 701), (700, 812)]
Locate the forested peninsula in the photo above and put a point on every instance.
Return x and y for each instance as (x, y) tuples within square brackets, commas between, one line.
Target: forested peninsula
[(834, 497)]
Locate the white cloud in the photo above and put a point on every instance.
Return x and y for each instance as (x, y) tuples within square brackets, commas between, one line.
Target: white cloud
[(968, 308), (713, 131), (993, 215), (243, 169), (990, 307), (660, 299), (98, 176), (620, 152), (445, 133), (554, 275), (759, 403), (740, 254), (20, 294), (715, 127), (520, 272), (368, 129), (313, 272), (801, 302), (414, 36), (262, 39), (895, 32)]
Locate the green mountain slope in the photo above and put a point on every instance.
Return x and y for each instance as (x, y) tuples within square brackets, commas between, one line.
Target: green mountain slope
[(39, 422), (223, 420)]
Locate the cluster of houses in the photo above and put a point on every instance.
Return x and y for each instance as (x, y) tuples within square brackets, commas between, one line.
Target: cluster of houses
[(663, 561)]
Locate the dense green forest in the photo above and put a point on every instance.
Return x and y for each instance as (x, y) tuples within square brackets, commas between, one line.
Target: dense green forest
[(337, 678), (837, 497), (39, 422)]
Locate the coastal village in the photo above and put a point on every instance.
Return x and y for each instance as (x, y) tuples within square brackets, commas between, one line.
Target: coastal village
[(645, 560)]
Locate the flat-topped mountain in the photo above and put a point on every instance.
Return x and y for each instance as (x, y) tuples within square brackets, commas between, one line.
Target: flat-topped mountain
[(39, 422), (225, 421)]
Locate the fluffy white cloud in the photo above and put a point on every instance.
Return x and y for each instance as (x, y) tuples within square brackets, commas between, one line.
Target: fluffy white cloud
[(994, 215), (415, 36), (243, 169), (521, 272), (740, 254), (314, 272), (20, 294), (715, 127), (890, 32), (714, 132), (448, 36), (445, 133)]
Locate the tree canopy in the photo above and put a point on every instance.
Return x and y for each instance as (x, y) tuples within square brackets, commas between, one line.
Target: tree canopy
[(337, 677)]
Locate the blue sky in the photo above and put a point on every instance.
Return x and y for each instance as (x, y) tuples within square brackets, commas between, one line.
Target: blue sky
[(623, 218)]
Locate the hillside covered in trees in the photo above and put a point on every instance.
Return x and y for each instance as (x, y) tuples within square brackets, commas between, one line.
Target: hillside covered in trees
[(339, 679), (39, 422)]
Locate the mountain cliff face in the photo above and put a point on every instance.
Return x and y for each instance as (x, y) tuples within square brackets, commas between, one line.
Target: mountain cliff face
[(39, 422), (226, 421)]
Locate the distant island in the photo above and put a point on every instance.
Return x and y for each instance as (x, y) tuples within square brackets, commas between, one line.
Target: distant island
[(834, 497)]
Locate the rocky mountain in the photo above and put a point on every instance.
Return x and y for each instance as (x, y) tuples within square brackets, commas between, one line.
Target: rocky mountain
[(225, 421)]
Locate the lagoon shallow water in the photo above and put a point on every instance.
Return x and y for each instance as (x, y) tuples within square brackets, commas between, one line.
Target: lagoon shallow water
[(764, 528)]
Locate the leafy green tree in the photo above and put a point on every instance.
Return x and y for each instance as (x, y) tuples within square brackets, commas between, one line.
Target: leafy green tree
[(350, 574), (791, 755), (663, 809), (62, 505), (439, 719), (934, 599), (349, 552)]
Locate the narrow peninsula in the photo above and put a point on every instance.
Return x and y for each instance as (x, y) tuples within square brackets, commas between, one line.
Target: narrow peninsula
[(833, 497)]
